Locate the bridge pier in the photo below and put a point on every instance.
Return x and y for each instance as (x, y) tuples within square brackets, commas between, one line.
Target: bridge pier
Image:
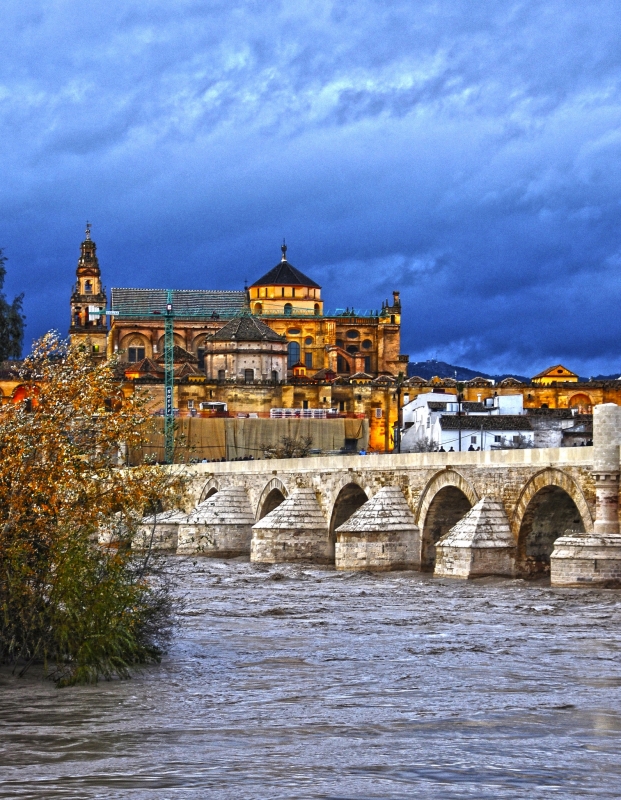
[(296, 530), (382, 535), (220, 526), (480, 544), (159, 532), (595, 558)]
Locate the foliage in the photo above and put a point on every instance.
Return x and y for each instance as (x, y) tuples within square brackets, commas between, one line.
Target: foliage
[(518, 442), (83, 610), (424, 445), (11, 321), (289, 448)]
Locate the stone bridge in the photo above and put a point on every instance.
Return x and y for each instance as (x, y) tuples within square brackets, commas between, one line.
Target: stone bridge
[(509, 512)]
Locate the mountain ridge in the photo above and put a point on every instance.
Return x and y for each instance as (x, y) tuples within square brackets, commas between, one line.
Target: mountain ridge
[(441, 369)]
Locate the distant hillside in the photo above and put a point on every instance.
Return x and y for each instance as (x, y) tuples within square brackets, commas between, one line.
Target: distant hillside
[(428, 369)]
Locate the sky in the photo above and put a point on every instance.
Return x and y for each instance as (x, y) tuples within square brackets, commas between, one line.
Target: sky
[(465, 153)]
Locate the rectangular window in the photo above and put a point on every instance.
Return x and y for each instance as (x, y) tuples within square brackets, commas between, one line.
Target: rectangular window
[(248, 375), (95, 348), (473, 440), (308, 360), (341, 405), (201, 357), (135, 354), (378, 413), (304, 403), (190, 404), (221, 374), (367, 364), (497, 438)]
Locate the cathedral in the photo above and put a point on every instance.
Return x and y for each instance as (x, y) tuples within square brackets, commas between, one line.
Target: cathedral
[(274, 330)]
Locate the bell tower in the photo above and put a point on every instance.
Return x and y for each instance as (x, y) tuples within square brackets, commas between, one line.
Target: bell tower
[(87, 298)]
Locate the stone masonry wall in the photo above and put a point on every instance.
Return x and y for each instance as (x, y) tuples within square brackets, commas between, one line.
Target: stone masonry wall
[(510, 476)]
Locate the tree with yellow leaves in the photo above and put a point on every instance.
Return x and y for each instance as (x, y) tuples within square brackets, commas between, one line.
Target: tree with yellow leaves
[(81, 609)]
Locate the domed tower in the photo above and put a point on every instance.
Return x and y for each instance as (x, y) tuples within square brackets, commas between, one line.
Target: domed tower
[(285, 291), (87, 298)]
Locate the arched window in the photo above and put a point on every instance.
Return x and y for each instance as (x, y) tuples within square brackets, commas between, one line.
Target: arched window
[(288, 309), (294, 354), (258, 308), (316, 309), (135, 351)]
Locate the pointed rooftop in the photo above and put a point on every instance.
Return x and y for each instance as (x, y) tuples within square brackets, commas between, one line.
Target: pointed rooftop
[(299, 511), (226, 507), (285, 274), (385, 511), (246, 329), (485, 525)]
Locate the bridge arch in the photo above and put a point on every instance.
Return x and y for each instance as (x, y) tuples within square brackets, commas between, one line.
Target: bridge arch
[(348, 500), (447, 498), (272, 496), (550, 503), (211, 487)]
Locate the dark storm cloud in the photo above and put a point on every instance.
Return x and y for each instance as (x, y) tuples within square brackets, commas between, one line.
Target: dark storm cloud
[(466, 153)]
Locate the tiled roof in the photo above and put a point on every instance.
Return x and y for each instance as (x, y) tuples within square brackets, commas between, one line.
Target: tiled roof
[(246, 329), (146, 366), (179, 356), (285, 274), (472, 406), (194, 302), (499, 422)]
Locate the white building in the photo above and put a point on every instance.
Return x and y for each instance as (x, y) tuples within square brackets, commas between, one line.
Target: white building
[(482, 432), (432, 418)]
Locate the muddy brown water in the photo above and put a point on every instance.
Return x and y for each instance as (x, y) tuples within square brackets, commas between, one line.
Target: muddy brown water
[(297, 682)]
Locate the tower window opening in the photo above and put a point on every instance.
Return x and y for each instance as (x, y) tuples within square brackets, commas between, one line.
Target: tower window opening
[(293, 354), (88, 287), (288, 309), (316, 309)]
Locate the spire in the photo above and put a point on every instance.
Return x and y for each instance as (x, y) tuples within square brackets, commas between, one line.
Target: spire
[(283, 247)]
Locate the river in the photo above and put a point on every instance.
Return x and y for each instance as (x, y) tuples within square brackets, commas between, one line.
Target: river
[(295, 682)]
